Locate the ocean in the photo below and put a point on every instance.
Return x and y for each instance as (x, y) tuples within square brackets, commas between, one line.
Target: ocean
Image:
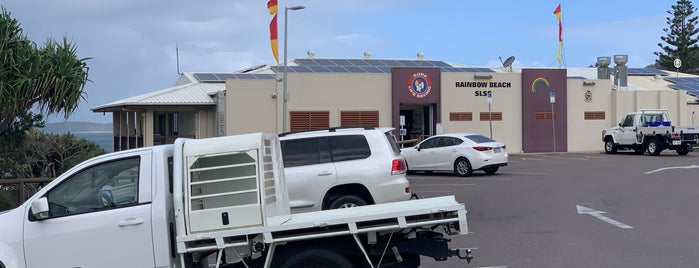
[(103, 138)]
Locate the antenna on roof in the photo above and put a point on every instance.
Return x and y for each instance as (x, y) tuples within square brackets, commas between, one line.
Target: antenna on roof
[(507, 64), (177, 54)]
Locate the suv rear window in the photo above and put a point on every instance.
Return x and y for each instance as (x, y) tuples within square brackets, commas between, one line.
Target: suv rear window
[(310, 151)]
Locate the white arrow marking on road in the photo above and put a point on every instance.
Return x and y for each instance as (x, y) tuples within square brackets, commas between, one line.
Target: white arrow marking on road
[(667, 168), (598, 214)]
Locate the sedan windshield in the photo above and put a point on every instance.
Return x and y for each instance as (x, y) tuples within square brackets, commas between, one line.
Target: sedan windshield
[(479, 138)]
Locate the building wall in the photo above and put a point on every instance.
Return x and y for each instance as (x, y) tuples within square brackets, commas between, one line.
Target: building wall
[(250, 106), (585, 135), (457, 97), (336, 92)]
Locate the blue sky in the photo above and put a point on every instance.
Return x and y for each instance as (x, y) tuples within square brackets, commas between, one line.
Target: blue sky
[(132, 42)]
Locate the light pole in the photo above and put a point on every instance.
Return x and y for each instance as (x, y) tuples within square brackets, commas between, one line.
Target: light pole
[(286, 15)]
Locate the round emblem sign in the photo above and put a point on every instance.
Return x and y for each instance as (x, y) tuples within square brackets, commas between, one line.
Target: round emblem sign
[(677, 63), (419, 85)]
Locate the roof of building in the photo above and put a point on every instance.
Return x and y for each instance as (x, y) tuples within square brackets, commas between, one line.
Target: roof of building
[(191, 94)]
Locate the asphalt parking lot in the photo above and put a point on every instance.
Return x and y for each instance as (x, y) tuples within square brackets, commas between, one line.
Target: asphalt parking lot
[(577, 210)]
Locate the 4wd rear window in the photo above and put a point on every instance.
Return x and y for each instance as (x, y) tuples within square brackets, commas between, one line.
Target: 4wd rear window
[(311, 151), (349, 147)]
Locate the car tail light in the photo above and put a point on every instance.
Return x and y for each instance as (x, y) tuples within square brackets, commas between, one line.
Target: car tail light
[(398, 167), (482, 148)]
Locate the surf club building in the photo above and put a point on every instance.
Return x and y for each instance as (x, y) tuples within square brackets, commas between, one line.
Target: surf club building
[(529, 109)]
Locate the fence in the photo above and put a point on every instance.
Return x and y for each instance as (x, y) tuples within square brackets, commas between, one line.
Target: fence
[(21, 189)]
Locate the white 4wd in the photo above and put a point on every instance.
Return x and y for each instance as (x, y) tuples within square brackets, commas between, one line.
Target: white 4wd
[(343, 167)]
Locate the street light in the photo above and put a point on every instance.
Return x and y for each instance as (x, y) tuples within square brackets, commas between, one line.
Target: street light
[(286, 15)]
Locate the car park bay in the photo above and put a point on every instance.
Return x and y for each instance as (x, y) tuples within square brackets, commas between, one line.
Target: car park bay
[(577, 210)]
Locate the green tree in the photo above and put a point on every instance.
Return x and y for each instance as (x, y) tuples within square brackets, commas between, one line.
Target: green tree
[(49, 78), (680, 41)]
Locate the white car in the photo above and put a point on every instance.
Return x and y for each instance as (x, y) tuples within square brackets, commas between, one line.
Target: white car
[(461, 153), (343, 167)]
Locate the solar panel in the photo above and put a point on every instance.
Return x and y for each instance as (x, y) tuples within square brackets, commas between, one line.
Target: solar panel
[(377, 63), (393, 63), (357, 62), (224, 76), (683, 80), (342, 62), (337, 69), (372, 69), (355, 69), (319, 69), (643, 71), (205, 77), (409, 63), (384, 69), (324, 62), (305, 62)]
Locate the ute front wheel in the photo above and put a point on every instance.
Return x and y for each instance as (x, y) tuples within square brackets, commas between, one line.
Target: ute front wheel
[(609, 146)]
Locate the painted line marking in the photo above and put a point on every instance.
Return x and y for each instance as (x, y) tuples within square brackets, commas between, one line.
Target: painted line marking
[(462, 184), (668, 168), (598, 214)]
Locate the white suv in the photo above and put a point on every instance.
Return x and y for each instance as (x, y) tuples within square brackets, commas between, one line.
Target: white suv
[(343, 167)]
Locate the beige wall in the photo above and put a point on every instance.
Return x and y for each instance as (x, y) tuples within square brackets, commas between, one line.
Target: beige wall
[(341, 92), (508, 101), (250, 106), (585, 135)]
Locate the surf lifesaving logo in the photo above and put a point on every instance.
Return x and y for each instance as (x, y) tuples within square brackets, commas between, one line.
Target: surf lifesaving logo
[(540, 83), (419, 85)]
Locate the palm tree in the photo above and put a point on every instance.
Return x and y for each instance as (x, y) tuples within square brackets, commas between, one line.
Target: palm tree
[(49, 78)]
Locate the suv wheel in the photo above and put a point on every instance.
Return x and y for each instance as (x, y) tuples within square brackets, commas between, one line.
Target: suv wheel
[(347, 201), (462, 167)]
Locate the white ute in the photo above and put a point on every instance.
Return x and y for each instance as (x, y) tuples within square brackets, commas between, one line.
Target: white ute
[(210, 203), (650, 130)]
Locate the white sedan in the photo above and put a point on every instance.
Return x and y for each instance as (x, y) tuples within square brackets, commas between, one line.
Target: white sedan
[(461, 153)]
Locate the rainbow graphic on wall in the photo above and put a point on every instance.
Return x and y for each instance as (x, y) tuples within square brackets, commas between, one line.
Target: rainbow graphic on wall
[(540, 83)]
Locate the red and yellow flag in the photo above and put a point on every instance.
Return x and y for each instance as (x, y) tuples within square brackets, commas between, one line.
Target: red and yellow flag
[(272, 6), (557, 13)]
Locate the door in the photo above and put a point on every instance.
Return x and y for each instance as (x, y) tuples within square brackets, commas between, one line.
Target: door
[(627, 133), (424, 159), (307, 162), (99, 216)]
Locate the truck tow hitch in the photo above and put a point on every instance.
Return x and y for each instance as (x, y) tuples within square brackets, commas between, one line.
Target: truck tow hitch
[(462, 253)]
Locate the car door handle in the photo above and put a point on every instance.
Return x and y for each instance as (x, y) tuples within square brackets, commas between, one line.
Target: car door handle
[(324, 173), (130, 222)]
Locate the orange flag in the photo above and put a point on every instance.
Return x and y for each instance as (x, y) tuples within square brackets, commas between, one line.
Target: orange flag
[(272, 6), (557, 13)]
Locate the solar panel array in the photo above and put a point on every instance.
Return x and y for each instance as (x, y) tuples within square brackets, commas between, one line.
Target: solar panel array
[(221, 77), (368, 66), (690, 84), (642, 71)]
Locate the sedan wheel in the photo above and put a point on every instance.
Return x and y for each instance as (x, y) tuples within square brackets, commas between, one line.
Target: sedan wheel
[(462, 167)]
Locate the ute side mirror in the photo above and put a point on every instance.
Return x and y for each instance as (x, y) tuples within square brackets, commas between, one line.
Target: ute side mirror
[(40, 208)]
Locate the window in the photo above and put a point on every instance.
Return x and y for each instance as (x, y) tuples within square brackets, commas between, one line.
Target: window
[(303, 152), (104, 186), (430, 143), (494, 116), (594, 115), (349, 147), (311, 151), (461, 116), (479, 138), (544, 115), (628, 121), (300, 120), (359, 118)]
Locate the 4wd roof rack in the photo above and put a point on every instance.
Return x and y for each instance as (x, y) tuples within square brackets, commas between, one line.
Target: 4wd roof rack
[(331, 129)]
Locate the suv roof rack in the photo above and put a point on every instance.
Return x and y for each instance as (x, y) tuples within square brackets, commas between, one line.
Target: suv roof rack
[(331, 129)]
